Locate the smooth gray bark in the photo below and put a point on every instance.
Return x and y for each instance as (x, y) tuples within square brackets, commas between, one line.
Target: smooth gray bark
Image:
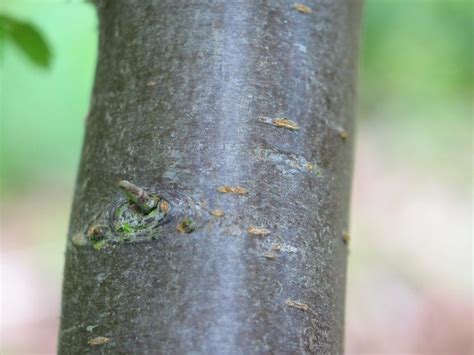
[(183, 103)]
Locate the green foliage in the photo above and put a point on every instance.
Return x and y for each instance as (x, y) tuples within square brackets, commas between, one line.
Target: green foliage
[(416, 84), (43, 111), (416, 53), (28, 38)]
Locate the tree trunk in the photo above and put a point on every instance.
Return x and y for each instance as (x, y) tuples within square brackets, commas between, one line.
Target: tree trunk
[(235, 119)]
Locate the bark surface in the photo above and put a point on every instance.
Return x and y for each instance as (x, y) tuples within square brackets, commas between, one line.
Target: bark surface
[(183, 106)]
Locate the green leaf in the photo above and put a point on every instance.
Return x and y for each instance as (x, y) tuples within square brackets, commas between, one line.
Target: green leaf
[(27, 38)]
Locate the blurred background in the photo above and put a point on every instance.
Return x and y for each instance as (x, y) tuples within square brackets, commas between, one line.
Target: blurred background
[(410, 262)]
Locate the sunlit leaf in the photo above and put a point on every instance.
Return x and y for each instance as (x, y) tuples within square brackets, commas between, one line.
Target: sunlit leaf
[(27, 38)]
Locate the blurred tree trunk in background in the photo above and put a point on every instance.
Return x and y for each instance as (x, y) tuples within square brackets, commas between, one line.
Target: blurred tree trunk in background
[(241, 247)]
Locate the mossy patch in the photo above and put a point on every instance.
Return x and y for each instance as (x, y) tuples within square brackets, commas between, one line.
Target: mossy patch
[(98, 245), (126, 228)]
